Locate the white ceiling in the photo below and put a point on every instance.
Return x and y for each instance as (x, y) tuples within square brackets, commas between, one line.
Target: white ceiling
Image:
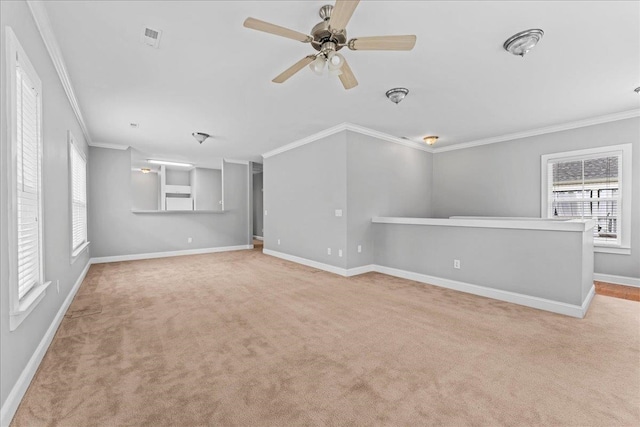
[(212, 75)]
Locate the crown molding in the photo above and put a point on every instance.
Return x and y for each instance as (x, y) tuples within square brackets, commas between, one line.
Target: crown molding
[(46, 32), (541, 131), (350, 127), (108, 146), (237, 162)]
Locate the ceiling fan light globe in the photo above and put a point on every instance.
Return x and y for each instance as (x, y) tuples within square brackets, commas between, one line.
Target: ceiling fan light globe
[(317, 66)]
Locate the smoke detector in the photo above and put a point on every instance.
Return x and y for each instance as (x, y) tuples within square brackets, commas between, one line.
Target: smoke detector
[(150, 37)]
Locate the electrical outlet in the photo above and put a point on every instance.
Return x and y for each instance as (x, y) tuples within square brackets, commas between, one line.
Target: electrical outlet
[(328, 251), (189, 240), (456, 263), (278, 241), (359, 248), (58, 285), (340, 252)]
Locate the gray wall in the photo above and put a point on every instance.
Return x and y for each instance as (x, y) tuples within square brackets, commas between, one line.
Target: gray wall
[(145, 189), (545, 264), (207, 188), (117, 231), (361, 175), (383, 179), (17, 347), (503, 179), (302, 189), (258, 205)]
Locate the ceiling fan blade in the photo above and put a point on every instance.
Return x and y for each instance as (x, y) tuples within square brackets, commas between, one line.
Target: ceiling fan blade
[(256, 24), (383, 43), (347, 78), (341, 14), (294, 69)]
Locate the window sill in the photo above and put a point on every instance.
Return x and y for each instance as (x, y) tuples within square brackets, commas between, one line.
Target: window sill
[(83, 247), (619, 250), (27, 305)]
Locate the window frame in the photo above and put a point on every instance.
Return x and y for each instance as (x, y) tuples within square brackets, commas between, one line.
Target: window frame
[(20, 308), (624, 183), (77, 251)]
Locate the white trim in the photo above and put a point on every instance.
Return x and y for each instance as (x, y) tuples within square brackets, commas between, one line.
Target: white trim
[(46, 32), (108, 146), (16, 56), (541, 131), (258, 237), (350, 127), (578, 225), (625, 182), (237, 162), (309, 263), (498, 294), (617, 280), (612, 250), (20, 387), (355, 271), (587, 301), (152, 255)]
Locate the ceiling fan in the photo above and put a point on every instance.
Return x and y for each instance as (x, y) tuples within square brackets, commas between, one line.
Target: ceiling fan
[(328, 37)]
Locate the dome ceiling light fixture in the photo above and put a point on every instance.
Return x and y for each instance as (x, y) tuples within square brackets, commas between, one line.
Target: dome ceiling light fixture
[(397, 94), (521, 43), (200, 136), (431, 139)]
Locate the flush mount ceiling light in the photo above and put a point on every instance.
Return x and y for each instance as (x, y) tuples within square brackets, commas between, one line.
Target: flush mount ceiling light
[(431, 139), (397, 94), (521, 43), (166, 163), (200, 136), (145, 170)]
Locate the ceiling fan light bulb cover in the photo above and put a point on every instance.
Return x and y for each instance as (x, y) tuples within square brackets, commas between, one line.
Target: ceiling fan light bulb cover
[(318, 65)]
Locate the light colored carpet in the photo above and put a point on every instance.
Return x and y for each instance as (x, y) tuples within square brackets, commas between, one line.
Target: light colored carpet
[(241, 338)]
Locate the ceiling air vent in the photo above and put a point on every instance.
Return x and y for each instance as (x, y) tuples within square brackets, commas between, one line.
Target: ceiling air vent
[(151, 37)]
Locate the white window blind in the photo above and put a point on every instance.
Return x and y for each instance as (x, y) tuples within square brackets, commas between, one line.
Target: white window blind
[(588, 188), (28, 183), (78, 198)]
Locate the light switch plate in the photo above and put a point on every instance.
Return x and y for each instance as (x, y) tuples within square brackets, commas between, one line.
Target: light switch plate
[(338, 212)]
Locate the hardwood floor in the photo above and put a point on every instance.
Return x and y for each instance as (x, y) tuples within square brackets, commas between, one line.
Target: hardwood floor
[(617, 291)]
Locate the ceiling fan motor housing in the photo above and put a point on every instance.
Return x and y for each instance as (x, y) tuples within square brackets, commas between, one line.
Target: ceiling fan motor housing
[(322, 34)]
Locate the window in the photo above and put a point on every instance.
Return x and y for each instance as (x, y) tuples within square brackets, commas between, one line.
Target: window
[(595, 184), (25, 235), (78, 190)]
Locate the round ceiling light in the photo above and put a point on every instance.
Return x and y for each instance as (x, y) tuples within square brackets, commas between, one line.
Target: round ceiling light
[(397, 94), (200, 136), (431, 139), (521, 43)]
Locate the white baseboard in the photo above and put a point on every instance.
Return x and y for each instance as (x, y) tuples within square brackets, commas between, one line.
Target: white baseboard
[(135, 257), (587, 301), (309, 263), (360, 270), (499, 294), (513, 297), (617, 280), (16, 394), (258, 237)]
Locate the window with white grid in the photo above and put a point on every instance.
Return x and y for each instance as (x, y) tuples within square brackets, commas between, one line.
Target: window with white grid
[(78, 174), (28, 169), (591, 184), (24, 183)]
